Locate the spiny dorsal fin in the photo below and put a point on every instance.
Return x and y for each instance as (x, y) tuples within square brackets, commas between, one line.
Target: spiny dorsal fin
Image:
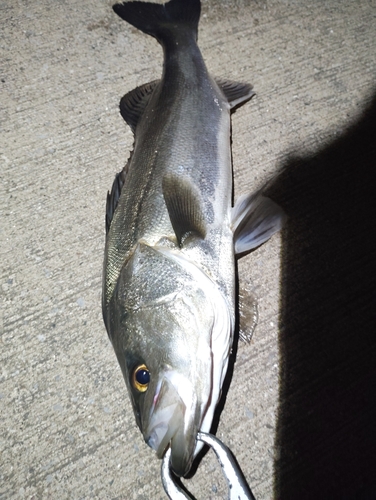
[(114, 195), (235, 92), (184, 208), (133, 104), (255, 219)]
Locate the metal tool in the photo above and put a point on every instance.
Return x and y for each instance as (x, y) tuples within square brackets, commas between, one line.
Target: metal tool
[(238, 487)]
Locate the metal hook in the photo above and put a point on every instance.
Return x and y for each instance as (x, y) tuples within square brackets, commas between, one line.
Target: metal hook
[(238, 487)]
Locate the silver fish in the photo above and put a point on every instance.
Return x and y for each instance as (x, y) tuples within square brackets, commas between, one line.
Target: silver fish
[(172, 235)]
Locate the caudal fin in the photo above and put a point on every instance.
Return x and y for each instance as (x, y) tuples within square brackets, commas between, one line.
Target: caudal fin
[(161, 20)]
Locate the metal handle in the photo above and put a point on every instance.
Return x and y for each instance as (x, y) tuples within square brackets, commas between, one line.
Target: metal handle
[(238, 487)]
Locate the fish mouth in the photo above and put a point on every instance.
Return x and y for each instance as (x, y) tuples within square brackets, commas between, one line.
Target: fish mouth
[(168, 424)]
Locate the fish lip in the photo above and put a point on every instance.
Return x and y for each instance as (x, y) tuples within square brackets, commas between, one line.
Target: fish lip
[(162, 431), (168, 425), (163, 420)]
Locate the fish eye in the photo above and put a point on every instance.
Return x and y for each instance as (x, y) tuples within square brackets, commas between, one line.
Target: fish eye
[(141, 378)]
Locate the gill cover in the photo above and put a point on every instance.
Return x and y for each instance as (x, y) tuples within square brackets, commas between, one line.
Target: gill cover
[(168, 318)]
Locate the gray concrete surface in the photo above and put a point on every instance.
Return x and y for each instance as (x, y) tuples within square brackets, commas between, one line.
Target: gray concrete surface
[(66, 425)]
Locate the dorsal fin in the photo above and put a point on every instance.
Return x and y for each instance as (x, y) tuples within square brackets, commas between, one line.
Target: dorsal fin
[(133, 104), (235, 92), (184, 208), (114, 195)]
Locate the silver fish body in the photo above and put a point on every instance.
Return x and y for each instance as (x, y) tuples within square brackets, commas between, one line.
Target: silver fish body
[(169, 269)]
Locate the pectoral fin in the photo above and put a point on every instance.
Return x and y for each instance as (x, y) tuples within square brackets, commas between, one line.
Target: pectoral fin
[(133, 104), (183, 204), (235, 92), (255, 219)]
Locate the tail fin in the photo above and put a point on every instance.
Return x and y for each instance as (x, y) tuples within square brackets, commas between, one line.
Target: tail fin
[(161, 20)]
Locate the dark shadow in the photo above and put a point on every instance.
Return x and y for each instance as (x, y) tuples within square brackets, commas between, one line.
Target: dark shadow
[(326, 431)]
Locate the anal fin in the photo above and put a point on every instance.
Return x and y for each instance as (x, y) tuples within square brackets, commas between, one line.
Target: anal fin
[(236, 93), (183, 204)]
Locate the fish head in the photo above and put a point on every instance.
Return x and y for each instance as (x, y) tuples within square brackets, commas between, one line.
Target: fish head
[(163, 332)]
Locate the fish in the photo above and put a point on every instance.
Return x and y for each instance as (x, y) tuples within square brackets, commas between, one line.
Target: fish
[(172, 237)]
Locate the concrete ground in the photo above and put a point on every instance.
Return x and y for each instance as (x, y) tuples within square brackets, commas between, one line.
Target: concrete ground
[(300, 412)]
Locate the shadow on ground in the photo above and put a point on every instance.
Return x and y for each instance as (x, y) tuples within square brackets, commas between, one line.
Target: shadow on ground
[(326, 432)]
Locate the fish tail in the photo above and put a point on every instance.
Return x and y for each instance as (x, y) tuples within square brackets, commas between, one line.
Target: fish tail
[(162, 21)]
